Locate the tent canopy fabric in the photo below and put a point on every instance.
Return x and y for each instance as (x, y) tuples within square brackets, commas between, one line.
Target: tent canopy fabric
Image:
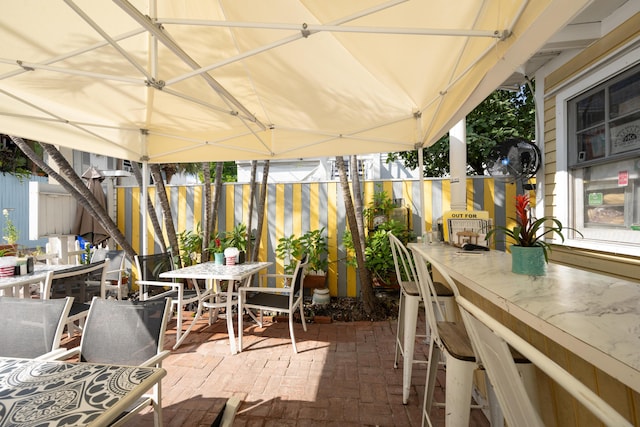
[(171, 81)]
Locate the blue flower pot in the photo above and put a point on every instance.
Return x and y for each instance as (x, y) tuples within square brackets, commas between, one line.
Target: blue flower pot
[(218, 258), (528, 260)]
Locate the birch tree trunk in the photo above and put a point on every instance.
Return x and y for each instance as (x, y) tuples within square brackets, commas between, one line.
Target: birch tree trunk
[(217, 193), (357, 199)]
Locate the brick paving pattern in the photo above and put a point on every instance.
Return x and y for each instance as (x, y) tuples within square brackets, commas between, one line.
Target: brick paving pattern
[(343, 375)]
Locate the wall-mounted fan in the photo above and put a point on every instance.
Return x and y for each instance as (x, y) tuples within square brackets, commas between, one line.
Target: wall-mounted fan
[(514, 160)]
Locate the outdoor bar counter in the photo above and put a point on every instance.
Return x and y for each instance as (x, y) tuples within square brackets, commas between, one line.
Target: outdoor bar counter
[(588, 323)]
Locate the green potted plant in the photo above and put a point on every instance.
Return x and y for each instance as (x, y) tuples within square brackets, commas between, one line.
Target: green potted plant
[(529, 251), (379, 209), (217, 245), (288, 250), (190, 246), (238, 238), (314, 244)]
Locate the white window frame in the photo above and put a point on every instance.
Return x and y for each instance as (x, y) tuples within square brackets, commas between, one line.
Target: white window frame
[(608, 68)]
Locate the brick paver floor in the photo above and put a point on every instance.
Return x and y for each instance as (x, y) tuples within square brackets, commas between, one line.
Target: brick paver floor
[(343, 375)]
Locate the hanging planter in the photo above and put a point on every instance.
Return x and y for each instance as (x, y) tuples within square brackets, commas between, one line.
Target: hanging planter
[(528, 260)]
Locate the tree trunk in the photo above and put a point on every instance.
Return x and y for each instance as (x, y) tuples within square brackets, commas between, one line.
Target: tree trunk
[(357, 199), (371, 304), (252, 197), (217, 193), (76, 188), (261, 205), (151, 211), (206, 226), (166, 209)]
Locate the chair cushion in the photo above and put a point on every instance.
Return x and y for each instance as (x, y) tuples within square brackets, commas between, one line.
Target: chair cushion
[(272, 301)]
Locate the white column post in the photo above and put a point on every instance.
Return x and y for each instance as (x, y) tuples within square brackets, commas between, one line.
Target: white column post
[(458, 165)]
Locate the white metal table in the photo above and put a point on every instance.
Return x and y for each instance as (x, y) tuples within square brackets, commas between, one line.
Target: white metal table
[(213, 273), (52, 393), (10, 286)]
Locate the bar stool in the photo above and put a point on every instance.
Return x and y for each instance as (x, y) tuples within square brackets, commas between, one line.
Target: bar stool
[(450, 339), (408, 308)]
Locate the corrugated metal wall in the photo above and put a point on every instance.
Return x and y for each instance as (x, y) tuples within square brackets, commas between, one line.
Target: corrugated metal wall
[(293, 208), (14, 195)]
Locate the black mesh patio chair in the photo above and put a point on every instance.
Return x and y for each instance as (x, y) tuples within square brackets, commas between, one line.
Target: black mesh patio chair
[(149, 269), (126, 333), (32, 327), (285, 299), (115, 276), (79, 282)]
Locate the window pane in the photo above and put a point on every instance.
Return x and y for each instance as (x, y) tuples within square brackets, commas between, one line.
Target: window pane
[(590, 111), (624, 96), (591, 144)]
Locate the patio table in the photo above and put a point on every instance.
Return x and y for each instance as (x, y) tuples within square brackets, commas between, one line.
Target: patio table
[(212, 274), (10, 286), (594, 316), (51, 393)]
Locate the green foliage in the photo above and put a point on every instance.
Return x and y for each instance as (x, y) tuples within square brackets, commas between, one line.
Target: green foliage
[(10, 232), (502, 115), (217, 244), (190, 246), (237, 238), (313, 243), (288, 250), (382, 204)]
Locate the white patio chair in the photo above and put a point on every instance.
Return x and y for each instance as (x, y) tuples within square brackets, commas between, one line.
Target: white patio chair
[(117, 272), (32, 327), (450, 339), (150, 267), (491, 340), (126, 333), (285, 299), (77, 281), (408, 307)]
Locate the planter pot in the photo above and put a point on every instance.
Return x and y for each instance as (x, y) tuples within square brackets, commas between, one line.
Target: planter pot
[(528, 260), (321, 296), (218, 258), (315, 281)]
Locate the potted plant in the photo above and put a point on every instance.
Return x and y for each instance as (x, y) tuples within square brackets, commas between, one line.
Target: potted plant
[(217, 246), (190, 246), (288, 250), (238, 238), (530, 252), (314, 244)]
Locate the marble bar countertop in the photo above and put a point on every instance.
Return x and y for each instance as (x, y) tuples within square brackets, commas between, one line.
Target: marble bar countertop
[(595, 316)]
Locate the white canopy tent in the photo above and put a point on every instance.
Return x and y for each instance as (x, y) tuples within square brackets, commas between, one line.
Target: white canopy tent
[(250, 80), (189, 81)]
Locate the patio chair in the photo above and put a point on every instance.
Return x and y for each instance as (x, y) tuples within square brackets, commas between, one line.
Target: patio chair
[(149, 269), (126, 333), (410, 299), (286, 299), (115, 277), (77, 281), (32, 328), (450, 339), (227, 415), (491, 340)]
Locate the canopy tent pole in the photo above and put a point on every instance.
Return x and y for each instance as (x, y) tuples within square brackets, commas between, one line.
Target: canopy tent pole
[(143, 205), (422, 206)]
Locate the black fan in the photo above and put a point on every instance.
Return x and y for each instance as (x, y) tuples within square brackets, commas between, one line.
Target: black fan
[(514, 160)]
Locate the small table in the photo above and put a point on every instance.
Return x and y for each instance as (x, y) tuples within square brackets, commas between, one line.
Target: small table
[(10, 286), (43, 393), (212, 273)]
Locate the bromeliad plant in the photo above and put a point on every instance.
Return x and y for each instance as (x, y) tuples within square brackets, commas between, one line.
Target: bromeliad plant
[(530, 231)]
